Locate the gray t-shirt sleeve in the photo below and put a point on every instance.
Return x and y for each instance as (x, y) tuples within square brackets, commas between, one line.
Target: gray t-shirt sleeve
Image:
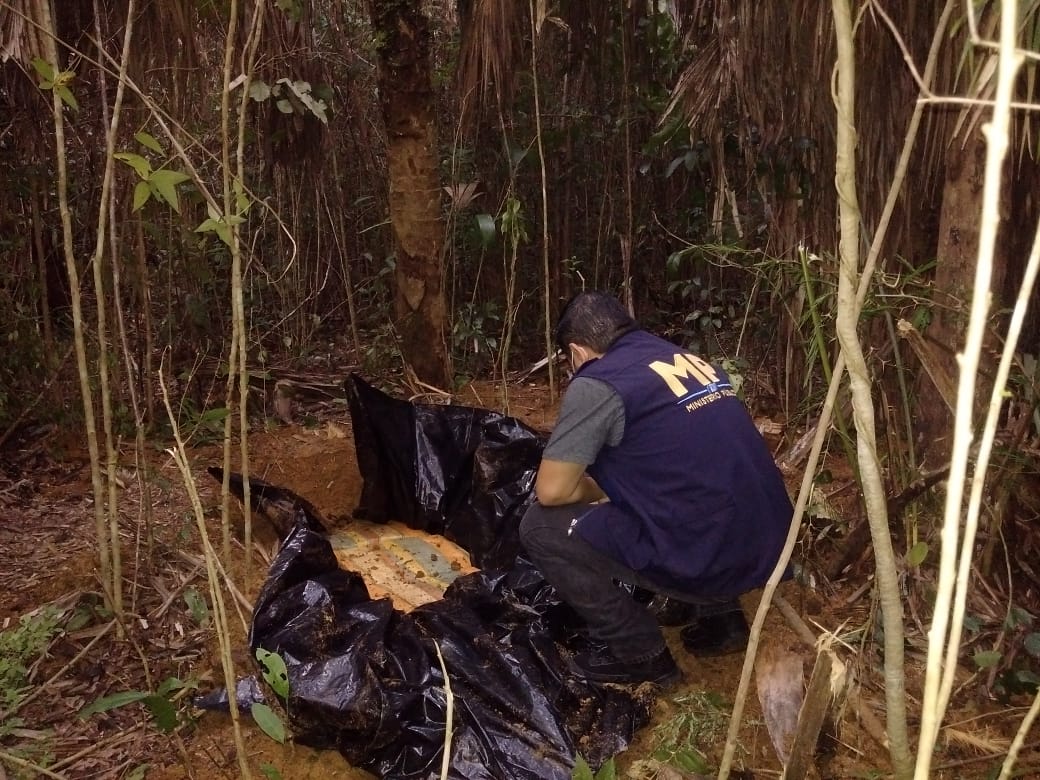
[(592, 416)]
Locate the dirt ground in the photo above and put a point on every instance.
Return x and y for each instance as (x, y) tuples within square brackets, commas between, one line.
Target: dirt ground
[(47, 556)]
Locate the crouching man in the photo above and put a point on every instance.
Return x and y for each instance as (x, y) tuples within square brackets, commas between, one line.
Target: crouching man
[(655, 476)]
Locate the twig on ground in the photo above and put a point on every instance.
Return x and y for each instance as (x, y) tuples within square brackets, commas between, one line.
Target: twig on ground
[(794, 620), (161, 609), (115, 739), (245, 603), (5, 756), (980, 758)]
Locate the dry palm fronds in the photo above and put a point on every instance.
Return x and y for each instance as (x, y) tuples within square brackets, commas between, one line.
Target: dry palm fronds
[(761, 73), (19, 34), (981, 741), (488, 53)]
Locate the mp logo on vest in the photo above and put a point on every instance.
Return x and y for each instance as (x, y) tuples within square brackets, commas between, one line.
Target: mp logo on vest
[(709, 386)]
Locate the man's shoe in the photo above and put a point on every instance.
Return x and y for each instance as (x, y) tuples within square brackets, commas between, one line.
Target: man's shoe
[(600, 665), (716, 635), (670, 611)]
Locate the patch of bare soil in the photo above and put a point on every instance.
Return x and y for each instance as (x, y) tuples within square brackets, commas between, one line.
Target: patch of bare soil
[(48, 559)]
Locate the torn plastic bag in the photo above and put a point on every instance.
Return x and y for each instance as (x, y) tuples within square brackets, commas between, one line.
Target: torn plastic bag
[(364, 678), (278, 505), (458, 471), (248, 691)]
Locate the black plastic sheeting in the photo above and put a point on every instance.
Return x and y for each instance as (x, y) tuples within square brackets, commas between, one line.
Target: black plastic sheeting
[(461, 472), (365, 678), (277, 505)]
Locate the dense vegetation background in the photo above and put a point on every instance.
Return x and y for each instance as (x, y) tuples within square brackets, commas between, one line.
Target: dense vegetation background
[(258, 192)]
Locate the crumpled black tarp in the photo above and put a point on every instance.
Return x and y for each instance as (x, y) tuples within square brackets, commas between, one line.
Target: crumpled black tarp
[(279, 506), (458, 471), (364, 678)]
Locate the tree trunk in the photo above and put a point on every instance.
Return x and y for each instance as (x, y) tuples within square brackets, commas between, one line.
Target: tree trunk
[(954, 279), (403, 42)]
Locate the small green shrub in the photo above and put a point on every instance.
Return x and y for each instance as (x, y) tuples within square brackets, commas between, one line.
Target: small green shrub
[(19, 646)]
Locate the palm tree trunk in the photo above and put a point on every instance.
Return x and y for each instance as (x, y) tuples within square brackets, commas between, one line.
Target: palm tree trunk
[(403, 42), (954, 278)]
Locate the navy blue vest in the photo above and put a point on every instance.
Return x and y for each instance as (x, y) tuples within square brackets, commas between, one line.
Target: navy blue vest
[(699, 505)]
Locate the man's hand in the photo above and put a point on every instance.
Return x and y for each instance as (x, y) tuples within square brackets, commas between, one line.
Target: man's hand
[(559, 483)]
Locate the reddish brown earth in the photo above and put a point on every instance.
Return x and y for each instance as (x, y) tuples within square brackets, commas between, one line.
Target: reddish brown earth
[(47, 554)]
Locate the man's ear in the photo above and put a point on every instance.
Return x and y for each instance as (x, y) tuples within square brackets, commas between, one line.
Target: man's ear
[(577, 354)]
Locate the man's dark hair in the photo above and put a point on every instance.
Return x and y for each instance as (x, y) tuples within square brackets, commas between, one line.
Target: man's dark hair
[(593, 319)]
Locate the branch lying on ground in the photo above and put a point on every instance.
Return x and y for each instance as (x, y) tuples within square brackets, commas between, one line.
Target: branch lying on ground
[(864, 714), (857, 539)]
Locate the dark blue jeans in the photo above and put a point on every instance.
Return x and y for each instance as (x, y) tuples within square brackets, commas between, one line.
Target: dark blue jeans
[(587, 579)]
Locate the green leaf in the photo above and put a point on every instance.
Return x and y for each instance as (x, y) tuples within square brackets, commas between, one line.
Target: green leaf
[(486, 226), (324, 93), (922, 318), (44, 70), (217, 226), (581, 770), (148, 141), (171, 684), (164, 182), (302, 90), (672, 166), (915, 557), (142, 192), (690, 761), (163, 712), (217, 414), (1027, 677), (1032, 644), (259, 91), (269, 722), (270, 771), (197, 604), (137, 162), (284, 106), (1018, 617), (106, 703), (242, 201), (607, 772), (517, 154), (66, 96), (985, 659), (274, 671)]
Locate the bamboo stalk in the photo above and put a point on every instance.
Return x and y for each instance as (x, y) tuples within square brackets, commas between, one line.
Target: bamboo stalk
[(449, 715), (951, 594), (104, 552), (179, 454), (887, 575), (805, 488), (111, 132), (238, 309), (537, 18)]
